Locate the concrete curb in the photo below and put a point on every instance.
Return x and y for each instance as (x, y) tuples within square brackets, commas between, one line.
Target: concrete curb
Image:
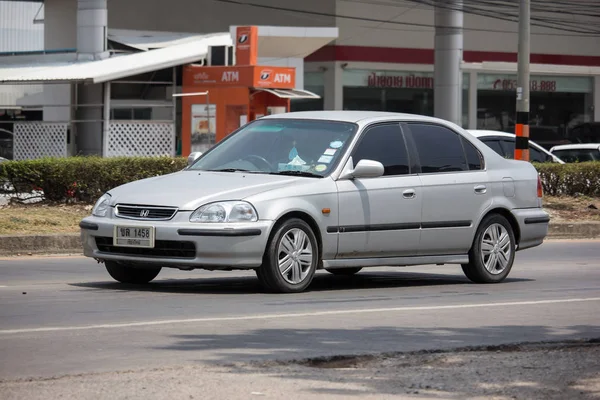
[(40, 244), (71, 243)]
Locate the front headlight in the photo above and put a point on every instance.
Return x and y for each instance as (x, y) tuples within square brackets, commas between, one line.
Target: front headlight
[(102, 205), (225, 211)]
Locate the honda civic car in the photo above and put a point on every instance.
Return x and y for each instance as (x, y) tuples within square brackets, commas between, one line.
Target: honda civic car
[(289, 194)]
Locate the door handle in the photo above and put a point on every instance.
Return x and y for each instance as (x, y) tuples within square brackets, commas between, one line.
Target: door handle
[(480, 189), (409, 194)]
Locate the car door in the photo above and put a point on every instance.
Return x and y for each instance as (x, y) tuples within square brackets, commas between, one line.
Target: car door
[(455, 188), (380, 217)]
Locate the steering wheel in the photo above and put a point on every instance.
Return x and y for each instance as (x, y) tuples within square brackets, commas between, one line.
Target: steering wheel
[(258, 158)]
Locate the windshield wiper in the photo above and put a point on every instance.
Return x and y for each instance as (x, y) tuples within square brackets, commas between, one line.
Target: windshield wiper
[(229, 170), (297, 173)]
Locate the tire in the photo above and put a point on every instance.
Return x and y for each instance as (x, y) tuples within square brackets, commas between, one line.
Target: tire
[(490, 241), (295, 242), (126, 274), (344, 271)]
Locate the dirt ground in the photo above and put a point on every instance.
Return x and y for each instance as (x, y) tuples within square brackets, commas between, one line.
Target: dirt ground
[(568, 370), (45, 219), (573, 209)]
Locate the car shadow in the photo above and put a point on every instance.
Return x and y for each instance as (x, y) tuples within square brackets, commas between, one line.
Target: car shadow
[(322, 282)]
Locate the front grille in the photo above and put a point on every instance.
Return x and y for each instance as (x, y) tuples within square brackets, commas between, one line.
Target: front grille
[(162, 249), (153, 213)]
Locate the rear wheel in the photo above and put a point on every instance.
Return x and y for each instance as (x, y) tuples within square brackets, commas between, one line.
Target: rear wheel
[(344, 271), (493, 252), (126, 274), (290, 259)]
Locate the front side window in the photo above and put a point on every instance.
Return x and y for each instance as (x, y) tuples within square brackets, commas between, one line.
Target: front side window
[(384, 143), (440, 149), (279, 146)]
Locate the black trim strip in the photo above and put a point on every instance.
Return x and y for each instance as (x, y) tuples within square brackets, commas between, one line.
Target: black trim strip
[(523, 117), (397, 227), (220, 233), (521, 142), (88, 226), (537, 220), (445, 224)]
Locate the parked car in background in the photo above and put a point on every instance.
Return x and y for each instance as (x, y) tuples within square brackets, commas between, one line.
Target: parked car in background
[(581, 152), (288, 194), (503, 143), (586, 132)]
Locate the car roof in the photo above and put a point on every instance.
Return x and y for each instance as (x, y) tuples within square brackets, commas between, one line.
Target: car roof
[(577, 146), (353, 116)]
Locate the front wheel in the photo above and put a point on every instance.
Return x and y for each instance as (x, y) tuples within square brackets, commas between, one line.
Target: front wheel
[(493, 252), (290, 259), (126, 274)]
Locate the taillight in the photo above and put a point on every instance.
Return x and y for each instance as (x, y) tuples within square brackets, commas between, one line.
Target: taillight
[(540, 189)]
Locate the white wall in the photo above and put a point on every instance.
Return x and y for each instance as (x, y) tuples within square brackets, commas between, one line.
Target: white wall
[(60, 24), (481, 33), (17, 30), (205, 16), (19, 33)]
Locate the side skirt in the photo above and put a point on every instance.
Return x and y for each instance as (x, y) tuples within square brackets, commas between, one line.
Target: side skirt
[(395, 261)]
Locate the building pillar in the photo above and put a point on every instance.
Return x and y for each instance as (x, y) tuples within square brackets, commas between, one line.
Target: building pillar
[(596, 103), (448, 51), (91, 45), (472, 100), (334, 87)]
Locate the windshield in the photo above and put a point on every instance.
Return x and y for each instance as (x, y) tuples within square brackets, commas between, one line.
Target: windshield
[(578, 155), (281, 146)]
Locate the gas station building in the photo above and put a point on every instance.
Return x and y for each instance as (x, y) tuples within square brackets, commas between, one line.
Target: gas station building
[(149, 77)]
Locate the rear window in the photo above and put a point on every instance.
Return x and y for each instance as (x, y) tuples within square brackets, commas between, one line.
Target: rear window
[(578, 155)]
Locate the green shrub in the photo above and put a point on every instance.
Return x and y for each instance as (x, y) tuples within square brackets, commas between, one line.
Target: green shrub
[(570, 179), (82, 179)]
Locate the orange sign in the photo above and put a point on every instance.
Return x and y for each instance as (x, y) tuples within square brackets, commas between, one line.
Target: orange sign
[(246, 45), (217, 76), (241, 76), (275, 77)]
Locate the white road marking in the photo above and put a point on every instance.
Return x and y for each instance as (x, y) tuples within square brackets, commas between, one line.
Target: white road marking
[(295, 315)]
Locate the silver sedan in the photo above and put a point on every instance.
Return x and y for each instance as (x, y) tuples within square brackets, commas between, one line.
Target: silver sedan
[(288, 194)]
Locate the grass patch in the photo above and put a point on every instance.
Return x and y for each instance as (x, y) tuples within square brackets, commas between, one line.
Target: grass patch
[(41, 219)]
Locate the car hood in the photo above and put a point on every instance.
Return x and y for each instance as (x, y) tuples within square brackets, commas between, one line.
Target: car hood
[(188, 190)]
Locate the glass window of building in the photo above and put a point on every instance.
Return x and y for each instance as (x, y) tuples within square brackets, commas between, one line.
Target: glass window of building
[(557, 104), (313, 82), (394, 91)]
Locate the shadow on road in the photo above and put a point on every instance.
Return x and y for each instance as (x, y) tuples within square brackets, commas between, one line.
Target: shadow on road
[(322, 282)]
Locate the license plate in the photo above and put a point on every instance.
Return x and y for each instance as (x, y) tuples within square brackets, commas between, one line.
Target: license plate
[(134, 236)]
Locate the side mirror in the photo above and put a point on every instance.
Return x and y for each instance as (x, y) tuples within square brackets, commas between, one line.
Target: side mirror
[(367, 169), (193, 157)]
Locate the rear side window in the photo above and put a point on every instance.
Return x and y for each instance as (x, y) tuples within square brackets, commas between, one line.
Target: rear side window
[(474, 157), (440, 149), (536, 155), (384, 143), (494, 144)]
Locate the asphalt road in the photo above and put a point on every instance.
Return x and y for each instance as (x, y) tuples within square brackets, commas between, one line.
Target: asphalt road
[(63, 316)]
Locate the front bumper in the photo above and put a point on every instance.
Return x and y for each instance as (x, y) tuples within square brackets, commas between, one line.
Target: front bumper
[(180, 243), (533, 226)]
